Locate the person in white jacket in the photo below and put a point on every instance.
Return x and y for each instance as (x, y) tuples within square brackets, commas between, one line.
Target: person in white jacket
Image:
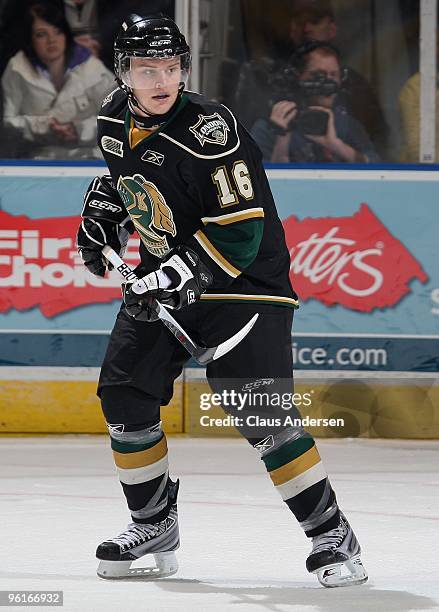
[(53, 89)]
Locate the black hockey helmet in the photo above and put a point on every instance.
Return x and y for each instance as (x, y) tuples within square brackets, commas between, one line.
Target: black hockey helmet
[(150, 36), (153, 37)]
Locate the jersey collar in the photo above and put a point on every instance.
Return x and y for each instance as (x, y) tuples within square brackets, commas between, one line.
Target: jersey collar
[(132, 123)]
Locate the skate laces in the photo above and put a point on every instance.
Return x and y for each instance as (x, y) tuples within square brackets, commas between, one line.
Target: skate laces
[(331, 539), (137, 533)]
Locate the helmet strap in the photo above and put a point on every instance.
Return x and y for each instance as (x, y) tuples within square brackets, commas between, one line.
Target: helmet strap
[(153, 120)]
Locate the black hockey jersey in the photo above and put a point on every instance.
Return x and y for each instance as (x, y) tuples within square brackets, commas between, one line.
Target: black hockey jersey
[(199, 181)]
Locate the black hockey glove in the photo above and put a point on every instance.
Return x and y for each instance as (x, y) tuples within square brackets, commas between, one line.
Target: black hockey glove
[(105, 221), (140, 307), (93, 235), (180, 280)]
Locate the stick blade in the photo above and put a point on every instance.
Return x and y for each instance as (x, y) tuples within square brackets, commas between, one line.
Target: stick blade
[(211, 354)]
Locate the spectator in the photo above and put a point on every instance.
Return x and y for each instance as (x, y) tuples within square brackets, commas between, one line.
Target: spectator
[(94, 23), (329, 133), (82, 17), (311, 20), (356, 94), (54, 87)]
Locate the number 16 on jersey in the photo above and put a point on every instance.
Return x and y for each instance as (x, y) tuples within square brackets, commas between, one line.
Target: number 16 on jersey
[(227, 195)]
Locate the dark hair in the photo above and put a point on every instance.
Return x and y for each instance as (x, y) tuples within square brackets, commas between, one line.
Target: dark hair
[(53, 15), (299, 59)]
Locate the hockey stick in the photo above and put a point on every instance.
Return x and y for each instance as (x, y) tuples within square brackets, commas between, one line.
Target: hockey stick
[(202, 354)]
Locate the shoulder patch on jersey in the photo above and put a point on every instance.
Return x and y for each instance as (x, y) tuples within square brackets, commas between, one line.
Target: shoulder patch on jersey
[(112, 145), (210, 128), (153, 157), (205, 130)]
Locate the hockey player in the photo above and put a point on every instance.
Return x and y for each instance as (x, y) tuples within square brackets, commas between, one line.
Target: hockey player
[(188, 177)]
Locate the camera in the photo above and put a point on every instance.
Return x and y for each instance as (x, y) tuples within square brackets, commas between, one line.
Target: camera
[(286, 86)]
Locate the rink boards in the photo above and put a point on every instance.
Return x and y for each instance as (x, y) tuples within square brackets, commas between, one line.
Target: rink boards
[(394, 407), (363, 259)]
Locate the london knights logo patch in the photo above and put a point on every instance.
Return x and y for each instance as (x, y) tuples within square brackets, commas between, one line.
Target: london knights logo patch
[(210, 128), (149, 212)]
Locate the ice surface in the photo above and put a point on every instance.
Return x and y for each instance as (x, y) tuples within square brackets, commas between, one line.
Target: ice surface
[(241, 547)]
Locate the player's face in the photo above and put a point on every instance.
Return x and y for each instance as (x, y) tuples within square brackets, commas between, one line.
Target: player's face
[(155, 82)]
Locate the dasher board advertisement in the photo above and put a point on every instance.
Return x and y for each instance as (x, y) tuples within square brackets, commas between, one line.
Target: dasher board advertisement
[(363, 260)]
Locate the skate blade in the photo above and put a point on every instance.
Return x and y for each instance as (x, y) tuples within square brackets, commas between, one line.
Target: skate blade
[(166, 565), (349, 573)]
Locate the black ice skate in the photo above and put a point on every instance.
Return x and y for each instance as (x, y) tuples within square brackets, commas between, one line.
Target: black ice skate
[(335, 557), (160, 539)]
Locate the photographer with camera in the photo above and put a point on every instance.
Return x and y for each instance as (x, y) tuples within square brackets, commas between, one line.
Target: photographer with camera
[(305, 124)]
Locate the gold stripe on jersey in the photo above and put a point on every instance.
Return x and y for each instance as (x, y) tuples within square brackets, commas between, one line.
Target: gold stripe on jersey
[(242, 297), (216, 255), (251, 213)]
